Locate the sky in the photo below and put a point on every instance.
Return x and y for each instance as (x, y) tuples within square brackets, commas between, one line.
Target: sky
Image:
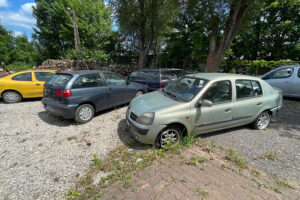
[(16, 15)]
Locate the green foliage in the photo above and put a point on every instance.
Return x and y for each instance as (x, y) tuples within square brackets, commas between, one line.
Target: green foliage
[(55, 23), (270, 155), (233, 156)]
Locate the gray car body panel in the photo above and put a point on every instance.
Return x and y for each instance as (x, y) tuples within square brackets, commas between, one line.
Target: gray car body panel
[(204, 119), (290, 86)]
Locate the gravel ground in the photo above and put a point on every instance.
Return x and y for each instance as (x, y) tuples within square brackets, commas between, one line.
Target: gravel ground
[(282, 137), (42, 156)]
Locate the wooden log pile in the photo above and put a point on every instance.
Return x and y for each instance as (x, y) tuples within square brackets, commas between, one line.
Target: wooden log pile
[(4, 72), (71, 65)]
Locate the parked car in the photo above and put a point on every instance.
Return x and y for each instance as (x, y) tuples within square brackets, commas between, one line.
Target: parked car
[(25, 84), (287, 78), (80, 94), (202, 103), (156, 79)]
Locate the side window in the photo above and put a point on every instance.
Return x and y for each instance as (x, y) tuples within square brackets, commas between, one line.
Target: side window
[(247, 88), (23, 77), (141, 75), (114, 79), (219, 92), (43, 76), (282, 73), (257, 91), (299, 73), (132, 76), (89, 80), (152, 76)]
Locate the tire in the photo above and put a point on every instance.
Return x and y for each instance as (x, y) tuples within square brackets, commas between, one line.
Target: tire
[(165, 136), (84, 113), (262, 121), (139, 93), (11, 97)]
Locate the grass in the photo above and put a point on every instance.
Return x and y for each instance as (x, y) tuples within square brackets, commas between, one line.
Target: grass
[(72, 138), (282, 182), (234, 156), (256, 172), (270, 155), (201, 193), (212, 147), (194, 160), (56, 179), (183, 180)]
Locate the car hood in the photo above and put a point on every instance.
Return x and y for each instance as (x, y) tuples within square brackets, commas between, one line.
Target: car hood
[(151, 102)]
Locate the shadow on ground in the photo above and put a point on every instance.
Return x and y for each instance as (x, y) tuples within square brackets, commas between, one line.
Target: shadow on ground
[(127, 139)]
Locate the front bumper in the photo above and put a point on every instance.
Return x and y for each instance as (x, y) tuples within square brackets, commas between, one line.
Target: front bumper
[(143, 133), (64, 110)]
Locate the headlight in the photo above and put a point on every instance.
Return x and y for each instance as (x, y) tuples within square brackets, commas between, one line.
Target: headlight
[(146, 118)]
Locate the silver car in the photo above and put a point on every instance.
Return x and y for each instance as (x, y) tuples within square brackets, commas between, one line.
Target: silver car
[(202, 103), (287, 78)]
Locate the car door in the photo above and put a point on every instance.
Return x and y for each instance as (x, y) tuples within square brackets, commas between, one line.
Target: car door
[(118, 89), (219, 115), (90, 88), (295, 90), (23, 84), (39, 80), (248, 101), (281, 78)]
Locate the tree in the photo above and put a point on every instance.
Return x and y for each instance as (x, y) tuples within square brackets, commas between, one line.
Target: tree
[(6, 45), (272, 32), (227, 29), (55, 28), (145, 18)]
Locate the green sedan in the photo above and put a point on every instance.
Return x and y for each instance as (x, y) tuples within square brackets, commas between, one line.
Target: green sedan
[(202, 103)]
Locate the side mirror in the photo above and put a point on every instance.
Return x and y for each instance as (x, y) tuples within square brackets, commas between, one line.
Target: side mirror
[(204, 102)]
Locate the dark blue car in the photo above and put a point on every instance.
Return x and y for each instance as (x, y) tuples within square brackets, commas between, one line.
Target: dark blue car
[(79, 94), (156, 79)]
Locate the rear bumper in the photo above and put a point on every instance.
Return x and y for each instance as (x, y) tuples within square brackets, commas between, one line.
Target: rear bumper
[(64, 110)]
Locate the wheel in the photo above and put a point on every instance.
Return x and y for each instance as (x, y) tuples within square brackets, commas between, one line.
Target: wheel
[(11, 97), (262, 121), (84, 113), (139, 93), (170, 134)]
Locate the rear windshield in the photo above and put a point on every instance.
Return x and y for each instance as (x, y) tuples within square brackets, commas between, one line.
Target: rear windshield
[(59, 80), (168, 75)]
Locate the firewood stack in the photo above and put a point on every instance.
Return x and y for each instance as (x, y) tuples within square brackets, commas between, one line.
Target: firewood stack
[(70, 65), (4, 72)]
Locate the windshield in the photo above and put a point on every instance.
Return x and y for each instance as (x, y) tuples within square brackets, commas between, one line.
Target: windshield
[(185, 89), (59, 80)]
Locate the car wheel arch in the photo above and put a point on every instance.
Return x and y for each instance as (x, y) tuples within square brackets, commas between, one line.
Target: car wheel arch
[(88, 102), (181, 126), (13, 91)]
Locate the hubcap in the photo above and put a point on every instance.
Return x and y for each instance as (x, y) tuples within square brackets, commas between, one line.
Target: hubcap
[(263, 121), (85, 113), (169, 136), (11, 97)]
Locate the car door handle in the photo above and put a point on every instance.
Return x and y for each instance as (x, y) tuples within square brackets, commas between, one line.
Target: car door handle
[(259, 104), (228, 110), (37, 84)]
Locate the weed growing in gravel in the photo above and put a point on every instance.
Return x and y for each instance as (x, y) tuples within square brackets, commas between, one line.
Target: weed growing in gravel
[(72, 138), (127, 184), (72, 194), (270, 155), (194, 160), (183, 180), (233, 156), (212, 147), (201, 193), (256, 172), (203, 159), (275, 189), (56, 179), (97, 163), (281, 182)]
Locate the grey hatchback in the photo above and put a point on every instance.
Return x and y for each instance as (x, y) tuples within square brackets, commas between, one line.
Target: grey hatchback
[(79, 94)]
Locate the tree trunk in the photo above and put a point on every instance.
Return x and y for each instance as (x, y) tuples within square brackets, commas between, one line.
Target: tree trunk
[(238, 9)]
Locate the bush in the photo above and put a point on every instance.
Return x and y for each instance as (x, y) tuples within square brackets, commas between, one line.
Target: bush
[(252, 67), (18, 66)]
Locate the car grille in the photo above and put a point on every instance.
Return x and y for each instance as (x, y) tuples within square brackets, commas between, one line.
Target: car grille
[(133, 116)]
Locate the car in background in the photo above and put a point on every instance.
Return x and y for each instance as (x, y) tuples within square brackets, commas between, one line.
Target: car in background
[(156, 79), (287, 78), (202, 103), (79, 94), (24, 84)]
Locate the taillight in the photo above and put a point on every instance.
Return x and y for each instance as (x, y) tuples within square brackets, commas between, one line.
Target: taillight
[(160, 86), (66, 93), (63, 93)]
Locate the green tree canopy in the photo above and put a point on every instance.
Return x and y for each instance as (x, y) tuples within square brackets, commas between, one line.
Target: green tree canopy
[(55, 34)]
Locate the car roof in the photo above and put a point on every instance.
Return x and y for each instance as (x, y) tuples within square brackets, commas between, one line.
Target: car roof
[(213, 76), (160, 69)]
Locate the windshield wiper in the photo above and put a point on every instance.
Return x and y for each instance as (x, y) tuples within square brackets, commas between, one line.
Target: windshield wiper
[(171, 94)]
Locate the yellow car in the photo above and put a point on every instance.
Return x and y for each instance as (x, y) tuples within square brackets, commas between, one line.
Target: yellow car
[(25, 84)]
